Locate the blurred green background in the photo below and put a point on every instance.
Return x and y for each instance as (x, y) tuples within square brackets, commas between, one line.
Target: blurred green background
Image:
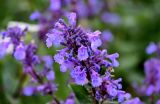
[(140, 23)]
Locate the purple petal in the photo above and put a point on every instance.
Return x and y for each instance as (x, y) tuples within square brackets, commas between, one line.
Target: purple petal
[(81, 78), (59, 58), (82, 53), (113, 57), (20, 53), (28, 91), (111, 18), (35, 15), (96, 80), (55, 5), (3, 49), (152, 47), (95, 39), (107, 36), (72, 19), (50, 75), (48, 61), (150, 90)]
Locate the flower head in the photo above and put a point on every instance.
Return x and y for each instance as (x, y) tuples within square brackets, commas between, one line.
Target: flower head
[(20, 52), (82, 53), (151, 48)]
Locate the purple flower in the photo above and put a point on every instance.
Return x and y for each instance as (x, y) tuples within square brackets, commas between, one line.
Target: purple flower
[(48, 61), (82, 9), (59, 26), (15, 34), (66, 65), (55, 5), (55, 37), (152, 47), (26, 54), (95, 3), (35, 15), (150, 90), (29, 90), (151, 84), (117, 83), (70, 101), (111, 18), (20, 52), (122, 96), (87, 61), (81, 78), (82, 53), (59, 58), (3, 48), (74, 73), (107, 36), (95, 39), (96, 80), (50, 75), (113, 57), (79, 75), (112, 91), (72, 19)]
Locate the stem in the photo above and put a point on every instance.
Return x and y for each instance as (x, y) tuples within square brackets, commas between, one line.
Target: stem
[(19, 87), (56, 100), (94, 91), (152, 99)]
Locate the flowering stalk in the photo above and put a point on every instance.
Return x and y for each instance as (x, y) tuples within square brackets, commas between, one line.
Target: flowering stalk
[(41, 81), (88, 65), (151, 83)]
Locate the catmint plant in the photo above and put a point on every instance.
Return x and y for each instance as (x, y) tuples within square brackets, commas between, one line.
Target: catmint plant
[(87, 63), (151, 83), (41, 81)]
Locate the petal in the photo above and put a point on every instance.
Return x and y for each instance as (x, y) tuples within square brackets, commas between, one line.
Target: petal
[(28, 91), (49, 42), (50, 75), (82, 53), (96, 80), (55, 5), (72, 19), (20, 53), (152, 47), (59, 58), (35, 15)]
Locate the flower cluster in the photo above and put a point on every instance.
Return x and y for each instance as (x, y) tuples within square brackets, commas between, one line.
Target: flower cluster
[(151, 84), (82, 56), (26, 54), (84, 10), (41, 80)]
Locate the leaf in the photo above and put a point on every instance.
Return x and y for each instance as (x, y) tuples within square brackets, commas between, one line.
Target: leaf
[(81, 94)]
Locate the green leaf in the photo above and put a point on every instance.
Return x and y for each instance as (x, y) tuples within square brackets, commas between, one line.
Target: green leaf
[(81, 94)]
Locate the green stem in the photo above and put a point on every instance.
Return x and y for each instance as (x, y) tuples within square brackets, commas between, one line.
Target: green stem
[(19, 87)]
